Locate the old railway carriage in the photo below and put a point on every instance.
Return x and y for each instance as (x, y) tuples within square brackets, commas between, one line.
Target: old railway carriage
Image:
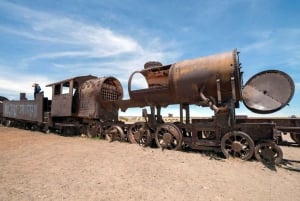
[(75, 106), (25, 113), (88, 104)]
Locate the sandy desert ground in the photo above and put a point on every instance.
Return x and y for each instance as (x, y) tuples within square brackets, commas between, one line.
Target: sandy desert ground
[(38, 166)]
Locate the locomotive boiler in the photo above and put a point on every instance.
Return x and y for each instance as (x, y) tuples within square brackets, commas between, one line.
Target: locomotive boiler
[(208, 81), (214, 81), (90, 105)]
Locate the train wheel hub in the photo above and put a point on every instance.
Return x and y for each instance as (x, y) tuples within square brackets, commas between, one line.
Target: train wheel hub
[(267, 154), (236, 146), (137, 136), (167, 138)]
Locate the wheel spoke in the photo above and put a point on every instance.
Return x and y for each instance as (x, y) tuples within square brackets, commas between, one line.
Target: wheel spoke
[(139, 133), (168, 136), (237, 144), (115, 132), (268, 152)]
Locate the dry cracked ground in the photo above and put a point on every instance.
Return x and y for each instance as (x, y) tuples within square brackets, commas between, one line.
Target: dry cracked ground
[(38, 166)]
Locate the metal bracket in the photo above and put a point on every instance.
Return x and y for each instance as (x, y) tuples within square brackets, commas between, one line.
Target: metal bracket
[(233, 89), (219, 90)]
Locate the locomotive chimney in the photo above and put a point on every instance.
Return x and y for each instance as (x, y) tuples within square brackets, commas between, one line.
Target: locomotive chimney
[(23, 96)]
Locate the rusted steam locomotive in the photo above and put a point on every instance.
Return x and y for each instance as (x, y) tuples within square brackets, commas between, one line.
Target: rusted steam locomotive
[(90, 105)]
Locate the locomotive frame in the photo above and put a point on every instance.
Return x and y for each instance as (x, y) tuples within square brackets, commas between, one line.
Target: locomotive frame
[(90, 105)]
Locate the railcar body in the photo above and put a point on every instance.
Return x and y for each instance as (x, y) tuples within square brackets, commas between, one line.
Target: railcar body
[(90, 105), (23, 112), (287, 125)]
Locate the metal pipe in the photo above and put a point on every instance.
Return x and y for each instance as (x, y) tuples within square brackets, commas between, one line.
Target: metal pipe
[(209, 101)]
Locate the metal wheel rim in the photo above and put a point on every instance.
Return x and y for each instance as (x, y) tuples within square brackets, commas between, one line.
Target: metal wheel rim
[(94, 129), (269, 153), (175, 142), (115, 133), (237, 144), (139, 134)]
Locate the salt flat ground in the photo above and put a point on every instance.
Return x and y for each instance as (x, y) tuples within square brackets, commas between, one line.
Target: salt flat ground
[(38, 166)]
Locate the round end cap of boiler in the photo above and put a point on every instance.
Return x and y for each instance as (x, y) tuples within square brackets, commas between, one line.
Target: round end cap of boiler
[(268, 91)]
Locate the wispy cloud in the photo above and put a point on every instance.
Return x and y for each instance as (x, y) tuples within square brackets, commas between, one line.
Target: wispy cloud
[(76, 46), (284, 39), (59, 29), (93, 40), (12, 83)]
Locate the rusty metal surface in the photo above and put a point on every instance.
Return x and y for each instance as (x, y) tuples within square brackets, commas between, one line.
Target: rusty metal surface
[(188, 78), (29, 110), (268, 153), (237, 144), (86, 97), (62, 100), (79, 79), (199, 81), (96, 97), (268, 91), (62, 105), (254, 128), (284, 124), (90, 105)]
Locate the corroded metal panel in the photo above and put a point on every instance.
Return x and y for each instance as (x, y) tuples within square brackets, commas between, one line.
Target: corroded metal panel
[(96, 97), (191, 77), (62, 101), (207, 81), (61, 105), (29, 110)]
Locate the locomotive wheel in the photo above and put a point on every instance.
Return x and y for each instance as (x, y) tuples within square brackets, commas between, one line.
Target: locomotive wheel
[(94, 131), (115, 133), (268, 152), (8, 123), (237, 144), (168, 136), (68, 131), (139, 134), (295, 137)]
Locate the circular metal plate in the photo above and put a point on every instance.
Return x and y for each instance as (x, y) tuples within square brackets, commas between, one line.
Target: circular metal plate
[(268, 91)]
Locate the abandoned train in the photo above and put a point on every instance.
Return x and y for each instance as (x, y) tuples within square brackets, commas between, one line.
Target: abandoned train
[(90, 105)]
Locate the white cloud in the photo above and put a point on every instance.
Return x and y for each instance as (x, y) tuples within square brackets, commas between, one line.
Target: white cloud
[(256, 46), (13, 83), (282, 39), (76, 39), (93, 40), (97, 50)]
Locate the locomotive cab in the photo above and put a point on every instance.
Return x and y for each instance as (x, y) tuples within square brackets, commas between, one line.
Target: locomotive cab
[(80, 103), (65, 96)]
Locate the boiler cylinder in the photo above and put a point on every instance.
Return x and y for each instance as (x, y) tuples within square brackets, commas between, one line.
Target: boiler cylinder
[(216, 77), (207, 81)]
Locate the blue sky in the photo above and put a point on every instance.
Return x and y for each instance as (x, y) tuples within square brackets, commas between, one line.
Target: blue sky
[(48, 41)]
